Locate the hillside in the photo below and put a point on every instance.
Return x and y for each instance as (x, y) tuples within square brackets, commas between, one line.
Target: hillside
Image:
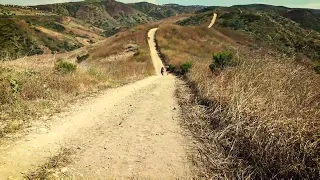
[(37, 85), (283, 32), (109, 15), (253, 110), (163, 11), (56, 28), (29, 35), (306, 18)]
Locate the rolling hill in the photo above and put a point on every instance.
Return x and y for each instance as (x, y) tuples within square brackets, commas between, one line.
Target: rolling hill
[(306, 18), (111, 15), (253, 90), (164, 11), (105, 14), (56, 28), (29, 35), (290, 31)]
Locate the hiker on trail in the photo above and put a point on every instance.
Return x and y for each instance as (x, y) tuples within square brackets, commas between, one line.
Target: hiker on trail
[(162, 70)]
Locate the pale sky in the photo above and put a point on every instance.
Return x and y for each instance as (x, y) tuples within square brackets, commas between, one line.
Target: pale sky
[(315, 4)]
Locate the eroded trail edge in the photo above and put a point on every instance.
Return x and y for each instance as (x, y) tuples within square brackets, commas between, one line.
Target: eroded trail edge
[(131, 131)]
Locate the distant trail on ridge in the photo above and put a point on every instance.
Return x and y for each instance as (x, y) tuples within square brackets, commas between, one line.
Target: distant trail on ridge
[(213, 21)]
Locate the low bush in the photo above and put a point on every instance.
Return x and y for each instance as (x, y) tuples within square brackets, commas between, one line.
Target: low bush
[(80, 59), (65, 67), (15, 86), (172, 68), (221, 60), (317, 68), (185, 67), (56, 27)]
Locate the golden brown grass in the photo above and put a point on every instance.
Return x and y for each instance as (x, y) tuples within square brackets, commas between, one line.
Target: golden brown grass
[(54, 167), (259, 119), (112, 45), (31, 87)]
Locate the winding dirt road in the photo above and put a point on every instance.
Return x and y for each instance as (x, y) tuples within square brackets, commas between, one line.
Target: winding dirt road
[(128, 132)]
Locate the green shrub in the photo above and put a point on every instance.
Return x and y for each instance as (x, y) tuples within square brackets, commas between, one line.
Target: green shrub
[(80, 59), (250, 17), (185, 67), (222, 60), (55, 26), (317, 68), (172, 68), (16, 88), (66, 67)]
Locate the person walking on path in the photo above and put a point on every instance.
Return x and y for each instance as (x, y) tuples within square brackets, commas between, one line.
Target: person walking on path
[(162, 70)]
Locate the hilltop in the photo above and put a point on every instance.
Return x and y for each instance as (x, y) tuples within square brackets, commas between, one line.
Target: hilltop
[(163, 11)]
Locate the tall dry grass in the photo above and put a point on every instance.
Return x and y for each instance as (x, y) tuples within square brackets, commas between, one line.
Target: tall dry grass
[(258, 120)]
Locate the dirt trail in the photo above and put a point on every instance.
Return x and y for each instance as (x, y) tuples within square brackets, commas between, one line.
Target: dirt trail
[(157, 63), (213, 21), (128, 132)]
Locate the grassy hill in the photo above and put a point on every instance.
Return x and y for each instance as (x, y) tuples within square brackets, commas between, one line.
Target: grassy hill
[(62, 27), (275, 27), (13, 41), (163, 11), (109, 15), (29, 35), (254, 111), (252, 98), (306, 18), (36, 86)]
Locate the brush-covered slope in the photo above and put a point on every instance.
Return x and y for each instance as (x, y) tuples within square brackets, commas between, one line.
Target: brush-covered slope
[(163, 11), (106, 14), (267, 27), (31, 35), (17, 10), (305, 18)]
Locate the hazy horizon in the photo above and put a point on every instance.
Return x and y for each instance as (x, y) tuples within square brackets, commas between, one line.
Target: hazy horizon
[(314, 4)]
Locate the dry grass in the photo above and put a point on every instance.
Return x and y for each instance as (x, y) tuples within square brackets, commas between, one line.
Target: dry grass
[(259, 119), (112, 45), (31, 87), (50, 169)]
